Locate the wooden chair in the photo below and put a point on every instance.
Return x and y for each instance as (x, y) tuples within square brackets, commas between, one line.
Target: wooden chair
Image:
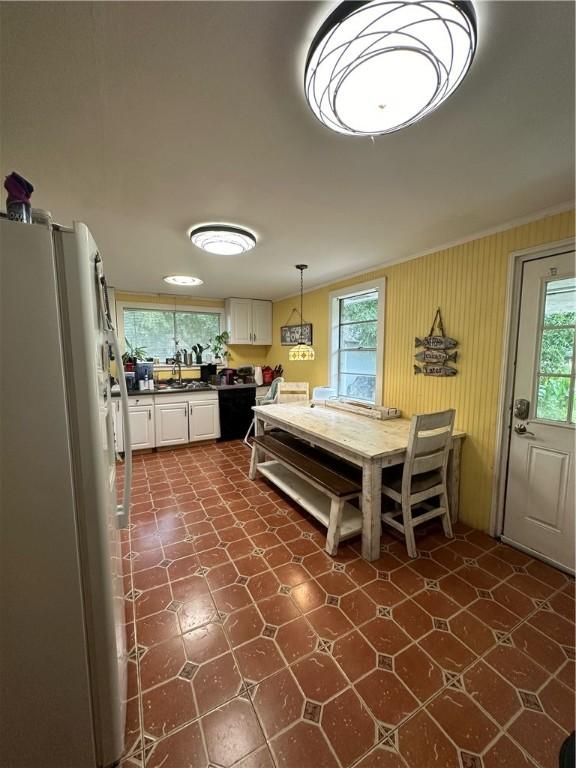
[(422, 476), (292, 391)]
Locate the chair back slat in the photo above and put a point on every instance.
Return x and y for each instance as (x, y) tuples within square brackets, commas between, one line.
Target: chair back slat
[(430, 442), (292, 391), (427, 463), (429, 421)]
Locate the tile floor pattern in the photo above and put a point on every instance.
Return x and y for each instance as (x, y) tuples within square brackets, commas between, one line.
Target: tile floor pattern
[(250, 647)]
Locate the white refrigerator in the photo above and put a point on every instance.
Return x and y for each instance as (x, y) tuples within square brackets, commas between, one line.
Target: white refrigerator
[(63, 649)]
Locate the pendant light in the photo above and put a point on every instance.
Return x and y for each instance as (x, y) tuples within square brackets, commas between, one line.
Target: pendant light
[(380, 65), (301, 351)]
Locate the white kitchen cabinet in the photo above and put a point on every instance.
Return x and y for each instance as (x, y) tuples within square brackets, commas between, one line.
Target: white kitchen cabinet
[(204, 420), (239, 320), (261, 322), (142, 426), (249, 321), (171, 423)]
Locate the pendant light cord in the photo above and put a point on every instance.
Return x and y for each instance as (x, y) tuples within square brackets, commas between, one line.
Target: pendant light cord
[(301, 304)]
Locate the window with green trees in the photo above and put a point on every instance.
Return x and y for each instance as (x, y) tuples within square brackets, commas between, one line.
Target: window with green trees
[(161, 332), (555, 397), (355, 345)]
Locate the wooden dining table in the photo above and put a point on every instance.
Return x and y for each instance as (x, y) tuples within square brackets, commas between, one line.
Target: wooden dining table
[(371, 444)]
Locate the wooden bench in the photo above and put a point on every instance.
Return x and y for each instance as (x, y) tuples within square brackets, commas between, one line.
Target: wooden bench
[(321, 483)]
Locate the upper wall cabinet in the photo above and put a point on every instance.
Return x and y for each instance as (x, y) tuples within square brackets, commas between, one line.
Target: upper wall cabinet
[(249, 321)]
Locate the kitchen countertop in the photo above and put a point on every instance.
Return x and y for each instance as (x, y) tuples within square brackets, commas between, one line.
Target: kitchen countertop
[(233, 386), (166, 391)]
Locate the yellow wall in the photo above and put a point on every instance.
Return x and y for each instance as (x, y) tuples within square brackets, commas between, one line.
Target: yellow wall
[(239, 354), (468, 282)]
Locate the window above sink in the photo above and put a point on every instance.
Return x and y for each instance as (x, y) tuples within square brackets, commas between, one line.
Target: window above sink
[(163, 329)]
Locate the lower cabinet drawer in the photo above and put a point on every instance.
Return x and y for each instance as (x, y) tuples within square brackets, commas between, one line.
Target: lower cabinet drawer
[(140, 400)]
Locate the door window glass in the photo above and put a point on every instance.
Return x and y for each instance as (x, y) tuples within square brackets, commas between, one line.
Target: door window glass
[(555, 396)]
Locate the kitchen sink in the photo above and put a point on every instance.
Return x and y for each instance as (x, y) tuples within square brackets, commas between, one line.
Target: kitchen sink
[(185, 388)]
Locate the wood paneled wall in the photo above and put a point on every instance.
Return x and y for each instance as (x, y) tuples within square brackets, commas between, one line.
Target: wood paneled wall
[(469, 283)]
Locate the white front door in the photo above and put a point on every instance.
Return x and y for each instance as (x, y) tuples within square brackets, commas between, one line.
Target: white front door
[(539, 513)]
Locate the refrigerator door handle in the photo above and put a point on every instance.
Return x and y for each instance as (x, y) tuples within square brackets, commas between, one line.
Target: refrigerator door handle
[(123, 510)]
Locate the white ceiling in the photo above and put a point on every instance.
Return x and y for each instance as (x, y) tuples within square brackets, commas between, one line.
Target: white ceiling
[(142, 119)]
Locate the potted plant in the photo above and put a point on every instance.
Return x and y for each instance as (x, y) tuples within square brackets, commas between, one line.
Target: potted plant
[(218, 346), (132, 355)]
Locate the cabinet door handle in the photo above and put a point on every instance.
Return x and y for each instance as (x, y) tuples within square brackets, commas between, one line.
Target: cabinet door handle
[(149, 415)]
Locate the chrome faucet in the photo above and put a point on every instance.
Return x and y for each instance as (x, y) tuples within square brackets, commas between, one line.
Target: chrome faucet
[(177, 364)]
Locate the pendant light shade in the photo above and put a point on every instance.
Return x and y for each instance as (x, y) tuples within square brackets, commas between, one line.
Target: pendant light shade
[(301, 352), (378, 66)]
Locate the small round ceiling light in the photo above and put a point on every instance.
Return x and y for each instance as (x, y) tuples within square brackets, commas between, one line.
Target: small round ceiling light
[(182, 280), (223, 239), (377, 66)]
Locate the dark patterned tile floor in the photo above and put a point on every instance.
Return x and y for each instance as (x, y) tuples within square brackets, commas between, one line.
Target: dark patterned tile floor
[(250, 647)]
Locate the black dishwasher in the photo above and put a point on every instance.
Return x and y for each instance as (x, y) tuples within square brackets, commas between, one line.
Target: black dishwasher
[(236, 413)]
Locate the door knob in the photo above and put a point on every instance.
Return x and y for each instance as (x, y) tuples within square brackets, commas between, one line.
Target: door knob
[(521, 429)]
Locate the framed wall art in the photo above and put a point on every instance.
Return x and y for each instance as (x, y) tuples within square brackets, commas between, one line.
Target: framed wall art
[(295, 334)]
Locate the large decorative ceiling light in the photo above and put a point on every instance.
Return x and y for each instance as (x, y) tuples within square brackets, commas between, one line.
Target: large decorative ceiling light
[(377, 66), (223, 239), (301, 351)]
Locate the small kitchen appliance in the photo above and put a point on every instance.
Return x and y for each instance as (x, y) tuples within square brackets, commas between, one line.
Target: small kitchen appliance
[(246, 374), (207, 371), (144, 371), (228, 375)]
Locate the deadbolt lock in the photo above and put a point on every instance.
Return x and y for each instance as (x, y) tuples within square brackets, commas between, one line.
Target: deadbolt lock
[(521, 409)]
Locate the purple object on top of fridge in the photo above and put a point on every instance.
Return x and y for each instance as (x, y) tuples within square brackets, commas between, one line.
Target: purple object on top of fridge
[(18, 201)]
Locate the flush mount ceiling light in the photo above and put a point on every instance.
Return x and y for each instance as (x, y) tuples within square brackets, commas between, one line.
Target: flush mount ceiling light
[(301, 351), (223, 239), (380, 65), (182, 280)]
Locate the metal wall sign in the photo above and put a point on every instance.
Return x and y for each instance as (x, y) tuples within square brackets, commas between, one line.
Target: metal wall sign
[(296, 334), (435, 354)]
